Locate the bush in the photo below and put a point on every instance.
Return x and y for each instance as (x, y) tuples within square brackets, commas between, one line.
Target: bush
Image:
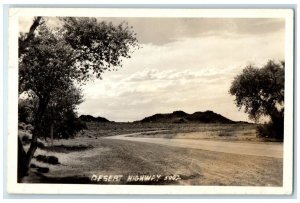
[(47, 159), (43, 169), (29, 127), (40, 145), (64, 127), (270, 130), (70, 126), (25, 136), (25, 110), (22, 126), (23, 113), (25, 139)]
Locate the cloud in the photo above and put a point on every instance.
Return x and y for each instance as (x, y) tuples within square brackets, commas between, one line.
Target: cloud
[(161, 31), (172, 74), (185, 64), (190, 74)]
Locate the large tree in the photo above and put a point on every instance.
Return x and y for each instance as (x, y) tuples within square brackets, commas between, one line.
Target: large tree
[(261, 92), (53, 58)]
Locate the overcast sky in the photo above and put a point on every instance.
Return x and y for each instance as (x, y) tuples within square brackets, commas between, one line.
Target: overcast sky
[(184, 64)]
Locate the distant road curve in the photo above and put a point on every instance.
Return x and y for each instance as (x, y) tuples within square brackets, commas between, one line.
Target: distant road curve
[(258, 149)]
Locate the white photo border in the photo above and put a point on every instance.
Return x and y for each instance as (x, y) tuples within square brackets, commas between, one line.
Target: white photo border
[(24, 188)]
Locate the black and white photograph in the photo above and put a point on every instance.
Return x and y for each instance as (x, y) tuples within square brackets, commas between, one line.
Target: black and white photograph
[(139, 98)]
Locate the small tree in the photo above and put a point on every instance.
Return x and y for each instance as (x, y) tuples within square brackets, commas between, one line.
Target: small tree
[(60, 119), (261, 92)]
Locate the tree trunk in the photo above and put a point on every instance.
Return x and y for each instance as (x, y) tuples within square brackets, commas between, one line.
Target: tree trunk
[(36, 131), (22, 169), (51, 133), (32, 148), (278, 125)]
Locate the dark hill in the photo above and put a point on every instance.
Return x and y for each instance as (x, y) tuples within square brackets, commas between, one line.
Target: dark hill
[(89, 118), (183, 117), (208, 117)]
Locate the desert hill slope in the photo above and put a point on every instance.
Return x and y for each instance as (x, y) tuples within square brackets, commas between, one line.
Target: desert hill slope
[(183, 117), (88, 118)]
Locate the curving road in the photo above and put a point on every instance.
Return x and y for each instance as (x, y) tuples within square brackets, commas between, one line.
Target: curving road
[(258, 149)]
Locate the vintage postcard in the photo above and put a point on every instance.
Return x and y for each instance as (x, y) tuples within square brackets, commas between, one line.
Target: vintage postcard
[(150, 101)]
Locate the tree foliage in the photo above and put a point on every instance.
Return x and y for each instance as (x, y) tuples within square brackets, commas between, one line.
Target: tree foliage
[(79, 49), (98, 45), (26, 107), (261, 92), (61, 113)]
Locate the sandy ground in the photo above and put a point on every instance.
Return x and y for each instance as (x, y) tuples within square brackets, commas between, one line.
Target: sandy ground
[(192, 166), (258, 149)]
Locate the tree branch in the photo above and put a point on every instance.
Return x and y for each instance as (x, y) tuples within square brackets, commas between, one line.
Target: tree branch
[(23, 44)]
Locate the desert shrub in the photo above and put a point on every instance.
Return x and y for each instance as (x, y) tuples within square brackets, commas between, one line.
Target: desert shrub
[(68, 148), (47, 159), (29, 127), (25, 138), (270, 130), (24, 135), (23, 113), (33, 166), (225, 134), (39, 168), (274, 129), (22, 126), (43, 169), (26, 107), (40, 145)]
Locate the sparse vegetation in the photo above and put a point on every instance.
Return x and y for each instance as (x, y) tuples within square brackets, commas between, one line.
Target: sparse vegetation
[(68, 148), (194, 166), (224, 134), (79, 156), (233, 132)]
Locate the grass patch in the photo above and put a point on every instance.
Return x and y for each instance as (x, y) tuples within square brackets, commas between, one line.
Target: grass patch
[(225, 134), (67, 148)]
